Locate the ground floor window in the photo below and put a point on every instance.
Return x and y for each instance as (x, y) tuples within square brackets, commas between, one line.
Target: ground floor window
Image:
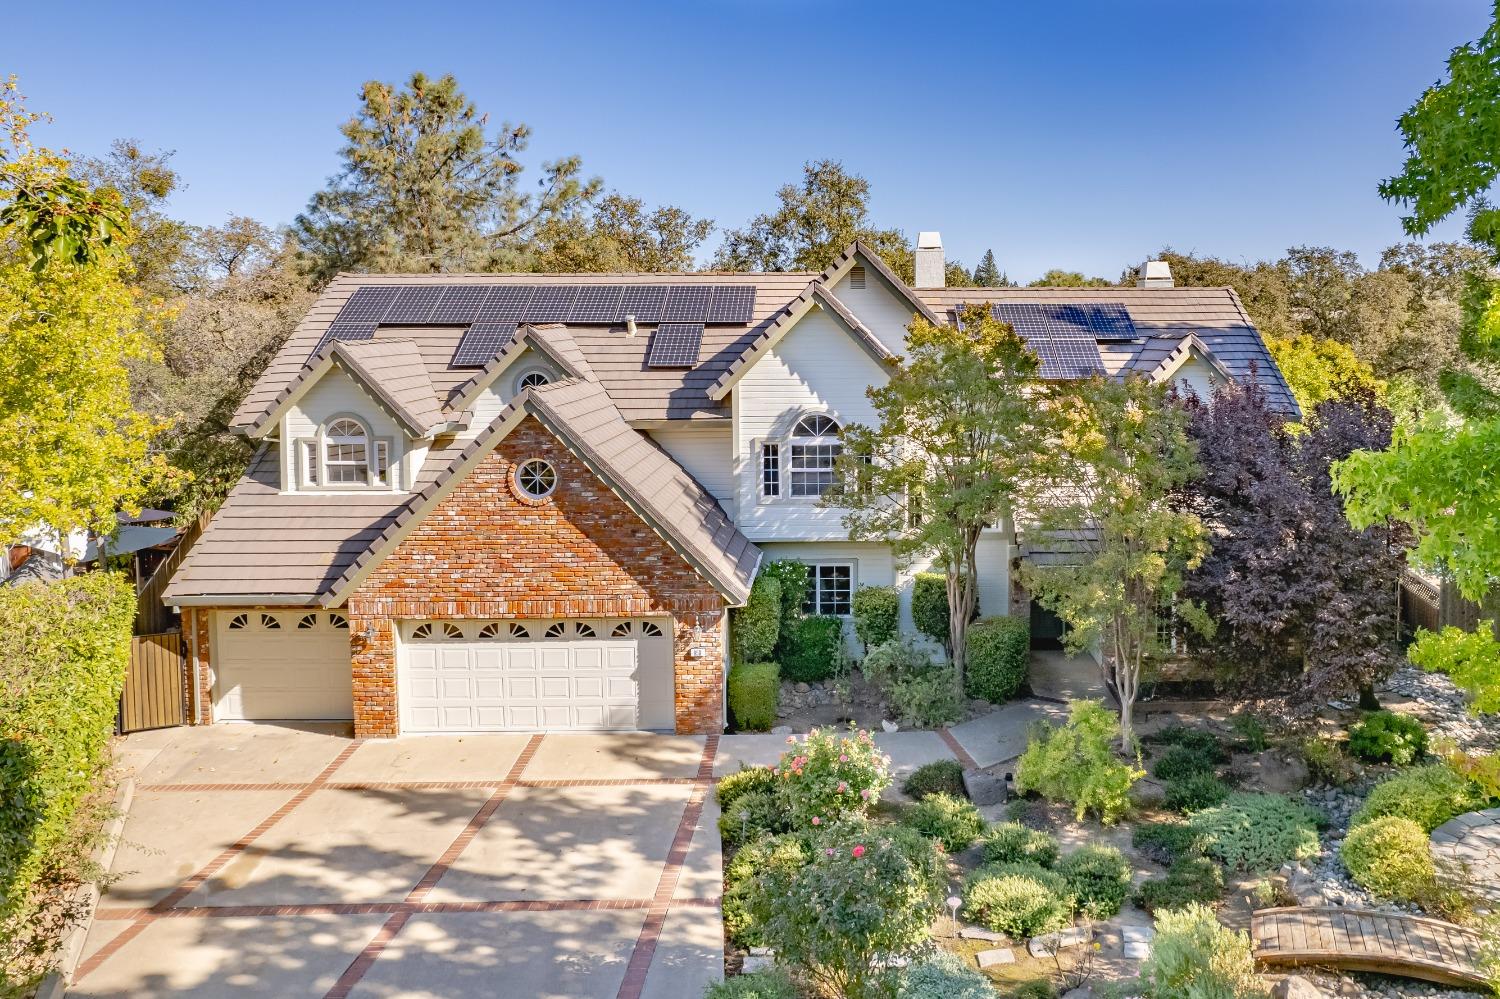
[(830, 587)]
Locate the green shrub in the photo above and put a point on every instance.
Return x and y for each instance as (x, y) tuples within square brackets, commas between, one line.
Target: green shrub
[(943, 975), (63, 653), (1470, 658), (1384, 736), (747, 779), (945, 776), (998, 658), (1250, 733), (1011, 842), (953, 822), (929, 605), (1076, 763), (1019, 900), (793, 578), (829, 775), (1193, 957), (1203, 743), (753, 692), (755, 815), (1257, 832), (895, 661), (755, 627), (739, 874), (1428, 795), (1036, 988), (811, 648), (1326, 761), (1179, 762), (1167, 842), (876, 611), (927, 701), (768, 983), (1099, 878), (1191, 880), (866, 892), (1392, 857), (1194, 792)]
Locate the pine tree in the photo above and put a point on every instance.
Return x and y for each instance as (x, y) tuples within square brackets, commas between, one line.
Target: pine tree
[(988, 275)]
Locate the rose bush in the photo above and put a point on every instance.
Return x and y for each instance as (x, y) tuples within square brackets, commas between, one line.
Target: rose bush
[(829, 775)]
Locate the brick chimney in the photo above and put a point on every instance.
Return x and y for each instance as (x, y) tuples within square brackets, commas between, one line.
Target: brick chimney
[(932, 272)]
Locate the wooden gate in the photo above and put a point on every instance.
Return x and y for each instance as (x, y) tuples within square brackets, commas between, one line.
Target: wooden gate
[(153, 696)]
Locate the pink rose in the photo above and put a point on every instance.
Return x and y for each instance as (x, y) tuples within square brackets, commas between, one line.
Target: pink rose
[(865, 794), (843, 757), (858, 851), (817, 821), (843, 787), (828, 852)]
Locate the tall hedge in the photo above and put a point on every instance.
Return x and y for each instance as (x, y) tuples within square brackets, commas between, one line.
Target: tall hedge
[(754, 628), (929, 605), (753, 689), (64, 648), (999, 658), (811, 649), (876, 612), (793, 577)]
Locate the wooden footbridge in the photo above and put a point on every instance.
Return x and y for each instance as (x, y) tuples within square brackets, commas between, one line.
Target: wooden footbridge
[(1366, 940)]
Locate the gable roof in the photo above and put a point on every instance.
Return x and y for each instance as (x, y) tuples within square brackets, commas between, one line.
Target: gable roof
[(858, 252), (1169, 363), (553, 341), (660, 492)]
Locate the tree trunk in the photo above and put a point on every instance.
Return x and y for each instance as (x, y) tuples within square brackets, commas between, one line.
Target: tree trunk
[(1367, 699), (961, 586), (1127, 683)]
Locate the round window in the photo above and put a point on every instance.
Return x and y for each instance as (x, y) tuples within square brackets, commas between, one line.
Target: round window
[(536, 478), (533, 379)]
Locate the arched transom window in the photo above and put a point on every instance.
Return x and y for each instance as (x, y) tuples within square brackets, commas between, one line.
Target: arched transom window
[(345, 455), (811, 454)]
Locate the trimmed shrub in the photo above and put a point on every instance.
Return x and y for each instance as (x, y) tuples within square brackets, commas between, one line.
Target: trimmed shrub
[(999, 658), (811, 648), (755, 815), (929, 605), (64, 647), (739, 873), (1011, 842), (1076, 763), (1181, 761), (747, 779), (1167, 842), (793, 578), (953, 822), (1386, 737), (1099, 878), (755, 627), (768, 983), (828, 776), (940, 776), (1428, 795), (895, 661), (1203, 743), (1326, 761), (876, 611), (1392, 857), (944, 975), (753, 690), (1019, 900), (1191, 880), (1192, 956), (1257, 832), (1195, 792), (928, 700)]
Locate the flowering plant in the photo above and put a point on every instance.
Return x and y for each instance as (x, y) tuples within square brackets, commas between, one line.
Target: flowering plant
[(829, 776)]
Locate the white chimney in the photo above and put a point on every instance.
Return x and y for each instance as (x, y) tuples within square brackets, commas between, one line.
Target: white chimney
[(931, 270), (1154, 274)]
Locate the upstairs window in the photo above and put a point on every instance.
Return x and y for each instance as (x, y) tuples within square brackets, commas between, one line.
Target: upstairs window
[(811, 454), (344, 455)]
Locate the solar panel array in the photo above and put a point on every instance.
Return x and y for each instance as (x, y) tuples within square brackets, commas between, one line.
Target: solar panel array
[(675, 345), (1062, 335), (482, 341)]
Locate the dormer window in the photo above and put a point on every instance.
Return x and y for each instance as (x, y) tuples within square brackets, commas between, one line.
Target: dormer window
[(344, 455), (802, 466)]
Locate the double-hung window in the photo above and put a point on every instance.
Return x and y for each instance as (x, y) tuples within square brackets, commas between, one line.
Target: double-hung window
[(344, 455), (811, 455), (830, 589)]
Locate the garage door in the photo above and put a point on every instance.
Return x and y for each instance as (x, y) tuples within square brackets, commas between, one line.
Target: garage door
[(507, 676), (270, 666)]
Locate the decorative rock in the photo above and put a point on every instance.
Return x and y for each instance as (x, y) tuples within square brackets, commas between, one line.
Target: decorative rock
[(984, 788), (997, 956), (980, 933), (1082, 992), (890, 726), (754, 963), (1295, 987), (1049, 944), (1137, 941), (762, 952), (802, 688), (782, 730)]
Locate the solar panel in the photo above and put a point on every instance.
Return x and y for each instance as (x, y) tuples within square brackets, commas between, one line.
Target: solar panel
[(413, 305), (368, 304), (1057, 333), (481, 342), (644, 301), (687, 303), (675, 345), (341, 329), (1109, 321), (505, 303), (732, 303), (459, 305), (552, 303), (597, 303)]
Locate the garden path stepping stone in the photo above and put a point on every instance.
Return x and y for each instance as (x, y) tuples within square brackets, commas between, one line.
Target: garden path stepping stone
[(980, 933), (998, 956), (1050, 943), (984, 788), (1468, 848), (1137, 940)]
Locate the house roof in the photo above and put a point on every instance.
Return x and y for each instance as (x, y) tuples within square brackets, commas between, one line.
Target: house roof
[(553, 340), (858, 252)]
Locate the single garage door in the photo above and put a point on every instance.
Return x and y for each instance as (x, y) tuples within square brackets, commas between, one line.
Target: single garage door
[(282, 665), (509, 676)]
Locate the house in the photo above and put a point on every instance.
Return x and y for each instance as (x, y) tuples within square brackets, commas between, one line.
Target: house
[(520, 501)]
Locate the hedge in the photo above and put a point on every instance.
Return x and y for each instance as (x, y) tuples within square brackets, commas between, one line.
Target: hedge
[(929, 605), (64, 648), (752, 695), (811, 648), (999, 657), (876, 614), (793, 577), (754, 628)]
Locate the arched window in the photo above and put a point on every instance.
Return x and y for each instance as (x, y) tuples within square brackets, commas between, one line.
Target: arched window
[(491, 630), (338, 621), (346, 452), (583, 630), (437, 629), (239, 622), (554, 630), (269, 623), (650, 630), (622, 630), (533, 379), (307, 622), (812, 452), (519, 631)]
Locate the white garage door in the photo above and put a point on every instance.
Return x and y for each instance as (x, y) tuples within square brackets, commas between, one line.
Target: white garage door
[(499, 676), (275, 665)]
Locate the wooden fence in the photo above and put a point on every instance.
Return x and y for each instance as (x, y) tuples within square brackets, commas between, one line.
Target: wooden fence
[(1421, 603), (151, 615), (153, 696)]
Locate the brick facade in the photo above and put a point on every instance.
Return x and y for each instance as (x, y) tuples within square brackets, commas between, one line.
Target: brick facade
[(197, 633), (485, 552)]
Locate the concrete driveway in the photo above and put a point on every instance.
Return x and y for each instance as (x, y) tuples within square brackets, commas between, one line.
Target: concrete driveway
[(277, 861)]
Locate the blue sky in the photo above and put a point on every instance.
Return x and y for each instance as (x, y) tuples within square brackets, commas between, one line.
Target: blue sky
[(1075, 135)]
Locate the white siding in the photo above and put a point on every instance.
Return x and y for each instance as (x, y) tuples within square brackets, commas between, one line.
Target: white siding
[(498, 394), (335, 394), (817, 367), (705, 453), (877, 305), (1197, 377), (993, 556)]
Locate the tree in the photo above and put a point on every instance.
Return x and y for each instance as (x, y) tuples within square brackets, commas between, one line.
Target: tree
[(143, 181), (1319, 370), (1122, 455), (1302, 600), (960, 426), (72, 450), (1056, 278), (616, 233), (989, 275), (424, 188)]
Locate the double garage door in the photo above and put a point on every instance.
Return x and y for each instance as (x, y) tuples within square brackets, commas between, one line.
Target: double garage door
[(509, 676)]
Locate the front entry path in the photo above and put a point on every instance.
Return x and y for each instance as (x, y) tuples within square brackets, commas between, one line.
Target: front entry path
[(277, 861)]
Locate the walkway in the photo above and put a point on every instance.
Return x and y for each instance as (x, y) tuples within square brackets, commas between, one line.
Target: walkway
[(1365, 940), (1468, 848), (1058, 676)]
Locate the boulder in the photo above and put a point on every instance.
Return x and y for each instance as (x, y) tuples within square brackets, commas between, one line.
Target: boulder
[(1295, 987), (984, 788)]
